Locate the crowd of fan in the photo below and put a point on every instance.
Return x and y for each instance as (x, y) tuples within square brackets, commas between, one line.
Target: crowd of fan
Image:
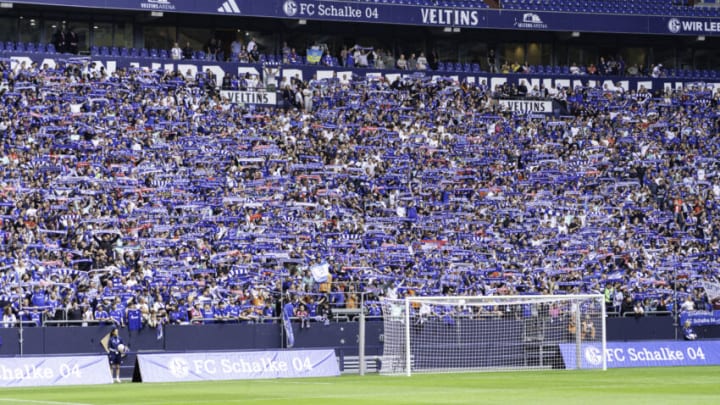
[(146, 191)]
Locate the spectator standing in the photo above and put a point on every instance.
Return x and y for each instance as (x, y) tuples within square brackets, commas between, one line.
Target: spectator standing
[(401, 62), (491, 61), (236, 47), (252, 50), (422, 62), (657, 71), (211, 50), (187, 51), (286, 53), (176, 53), (412, 62)]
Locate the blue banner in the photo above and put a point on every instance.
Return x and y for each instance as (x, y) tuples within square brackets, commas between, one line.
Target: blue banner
[(237, 365), (39, 371), (642, 354), (700, 318), (459, 17)]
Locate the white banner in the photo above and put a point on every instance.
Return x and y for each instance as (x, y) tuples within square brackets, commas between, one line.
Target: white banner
[(250, 97), (711, 289), (38, 371), (527, 106), (237, 365)]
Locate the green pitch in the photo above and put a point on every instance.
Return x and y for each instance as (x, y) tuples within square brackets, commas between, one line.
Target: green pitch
[(686, 385)]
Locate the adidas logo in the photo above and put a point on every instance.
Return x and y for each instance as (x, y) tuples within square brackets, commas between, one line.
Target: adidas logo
[(229, 7)]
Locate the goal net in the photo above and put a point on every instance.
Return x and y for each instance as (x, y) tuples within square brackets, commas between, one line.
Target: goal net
[(494, 333)]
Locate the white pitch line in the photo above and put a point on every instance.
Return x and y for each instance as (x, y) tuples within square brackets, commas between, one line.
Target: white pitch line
[(280, 381), (33, 401)]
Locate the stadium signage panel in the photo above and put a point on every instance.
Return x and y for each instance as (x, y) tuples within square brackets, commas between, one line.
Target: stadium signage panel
[(682, 26), (331, 10), (250, 97), (527, 106), (643, 354), (39, 371), (700, 318), (170, 367)]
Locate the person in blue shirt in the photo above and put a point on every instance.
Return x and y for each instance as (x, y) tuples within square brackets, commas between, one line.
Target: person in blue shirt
[(116, 352), (208, 314), (101, 315), (117, 315), (38, 297), (134, 317)]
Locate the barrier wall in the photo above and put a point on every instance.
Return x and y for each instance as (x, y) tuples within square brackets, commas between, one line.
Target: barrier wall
[(343, 336)]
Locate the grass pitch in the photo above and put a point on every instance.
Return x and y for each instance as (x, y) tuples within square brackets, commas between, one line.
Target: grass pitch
[(679, 385)]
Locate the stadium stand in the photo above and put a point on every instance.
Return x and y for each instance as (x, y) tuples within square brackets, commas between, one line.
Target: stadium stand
[(144, 187)]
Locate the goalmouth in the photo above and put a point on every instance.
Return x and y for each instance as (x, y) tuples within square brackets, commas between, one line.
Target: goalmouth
[(454, 334)]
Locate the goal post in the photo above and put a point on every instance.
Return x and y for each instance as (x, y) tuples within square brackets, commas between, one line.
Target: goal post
[(450, 334)]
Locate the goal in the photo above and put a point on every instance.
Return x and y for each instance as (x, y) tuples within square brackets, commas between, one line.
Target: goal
[(451, 334)]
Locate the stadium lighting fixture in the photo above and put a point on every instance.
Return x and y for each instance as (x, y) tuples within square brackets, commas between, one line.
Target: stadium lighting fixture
[(156, 14), (701, 37), (575, 34), (302, 22), (447, 29), (456, 29), (6, 4)]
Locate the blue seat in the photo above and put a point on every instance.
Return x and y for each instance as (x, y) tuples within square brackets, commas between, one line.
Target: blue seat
[(163, 53), (51, 48), (20, 47), (114, 51)]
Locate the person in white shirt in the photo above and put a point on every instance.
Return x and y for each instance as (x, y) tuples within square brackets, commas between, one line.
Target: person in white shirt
[(252, 49), (402, 62), (657, 71), (421, 63), (8, 318), (176, 52)]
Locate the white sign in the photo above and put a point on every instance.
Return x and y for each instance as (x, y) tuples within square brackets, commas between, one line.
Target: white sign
[(237, 365), (523, 106), (38, 371), (250, 97)]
